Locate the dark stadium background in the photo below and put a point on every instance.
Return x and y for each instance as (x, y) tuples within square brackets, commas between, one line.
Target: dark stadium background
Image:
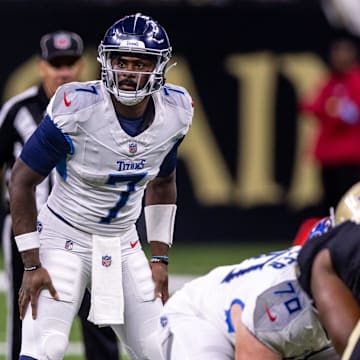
[(206, 37)]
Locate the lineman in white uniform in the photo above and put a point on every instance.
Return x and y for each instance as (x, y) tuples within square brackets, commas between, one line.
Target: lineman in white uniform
[(109, 140), (253, 310)]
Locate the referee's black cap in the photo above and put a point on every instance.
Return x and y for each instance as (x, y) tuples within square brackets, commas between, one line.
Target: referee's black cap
[(59, 44)]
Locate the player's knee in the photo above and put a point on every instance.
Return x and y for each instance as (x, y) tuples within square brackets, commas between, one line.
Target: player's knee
[(55, 346), (152, 346)]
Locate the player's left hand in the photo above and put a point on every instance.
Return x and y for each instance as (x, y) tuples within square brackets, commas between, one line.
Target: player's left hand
[(33, 282), (160, 276)]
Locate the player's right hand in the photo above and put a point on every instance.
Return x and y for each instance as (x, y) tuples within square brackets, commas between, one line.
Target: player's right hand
[(33, 282)]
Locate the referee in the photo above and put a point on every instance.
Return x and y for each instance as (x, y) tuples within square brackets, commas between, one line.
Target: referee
[(60, 62)]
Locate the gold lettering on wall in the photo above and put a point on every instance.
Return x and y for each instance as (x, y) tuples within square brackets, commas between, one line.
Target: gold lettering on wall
[(255, 182), (22, 78), (256, 74), (306, 72), (209, 175)]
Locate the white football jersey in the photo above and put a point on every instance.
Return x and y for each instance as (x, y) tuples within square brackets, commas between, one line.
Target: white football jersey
[(100, 186), (275, 309)]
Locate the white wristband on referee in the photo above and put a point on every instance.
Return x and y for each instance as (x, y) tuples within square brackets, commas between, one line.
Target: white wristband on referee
[(27, 241), (160, 220)]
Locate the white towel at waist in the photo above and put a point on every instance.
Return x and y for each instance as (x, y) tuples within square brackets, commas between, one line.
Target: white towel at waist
[(107, 297)]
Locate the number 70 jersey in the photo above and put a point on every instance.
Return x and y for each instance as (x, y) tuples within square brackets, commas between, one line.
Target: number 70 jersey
[(277, 310), (274, 307), (100, 184)]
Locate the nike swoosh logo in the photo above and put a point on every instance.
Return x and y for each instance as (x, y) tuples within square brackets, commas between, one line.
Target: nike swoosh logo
[(66, 101), (133, 244), (270, 315)]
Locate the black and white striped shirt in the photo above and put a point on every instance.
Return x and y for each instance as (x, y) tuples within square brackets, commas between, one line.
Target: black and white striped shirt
[(19, 117)]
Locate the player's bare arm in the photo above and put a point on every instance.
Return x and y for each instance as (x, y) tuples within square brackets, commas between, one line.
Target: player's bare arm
[(24, 213), (246, 345), (338, 309), (160, 270), (161, 191), (22, 194)]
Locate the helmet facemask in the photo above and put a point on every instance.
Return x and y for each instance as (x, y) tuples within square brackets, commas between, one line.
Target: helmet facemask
[(110, 76), (135, 35)]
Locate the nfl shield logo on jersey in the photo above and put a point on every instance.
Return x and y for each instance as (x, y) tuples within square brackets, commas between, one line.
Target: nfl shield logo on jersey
[(163, 321), (106, 260), (132, 148), (69, 244), (39, 226)]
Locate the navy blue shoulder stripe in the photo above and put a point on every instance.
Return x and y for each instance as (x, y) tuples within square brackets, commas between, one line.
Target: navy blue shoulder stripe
[(46, 147), (170, 161), (167, 89)]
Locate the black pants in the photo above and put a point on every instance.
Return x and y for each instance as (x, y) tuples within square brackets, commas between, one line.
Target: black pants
[(336, 181), (100, 343)]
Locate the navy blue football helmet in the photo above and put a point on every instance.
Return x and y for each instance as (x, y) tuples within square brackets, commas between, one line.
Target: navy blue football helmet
[(321, 227), (134, 34)]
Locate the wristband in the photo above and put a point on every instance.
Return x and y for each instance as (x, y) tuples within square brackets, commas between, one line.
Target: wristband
[(27, 241), (160, 259), (32, 268), (160, 221)]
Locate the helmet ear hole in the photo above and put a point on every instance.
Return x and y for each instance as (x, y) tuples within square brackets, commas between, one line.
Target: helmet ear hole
[(134, 35)]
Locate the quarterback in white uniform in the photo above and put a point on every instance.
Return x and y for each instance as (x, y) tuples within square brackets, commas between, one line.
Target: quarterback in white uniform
[(253, 310), (109, 141)]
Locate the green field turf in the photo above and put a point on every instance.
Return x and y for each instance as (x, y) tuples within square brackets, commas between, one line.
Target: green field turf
[(186, 259), (200, 258)]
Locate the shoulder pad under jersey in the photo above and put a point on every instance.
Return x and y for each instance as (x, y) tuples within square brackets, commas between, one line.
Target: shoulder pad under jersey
[(177, 96), (73, 97), (285, 320)]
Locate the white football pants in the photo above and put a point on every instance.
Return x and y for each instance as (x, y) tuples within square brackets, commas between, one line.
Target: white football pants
[(46, 338)]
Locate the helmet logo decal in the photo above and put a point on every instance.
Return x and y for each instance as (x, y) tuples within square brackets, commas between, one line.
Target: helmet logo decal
[(321, 227), (132, 43), (159, 41)]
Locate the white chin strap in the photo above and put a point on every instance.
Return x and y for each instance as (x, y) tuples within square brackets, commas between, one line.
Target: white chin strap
[(129, 101), (128, 98)]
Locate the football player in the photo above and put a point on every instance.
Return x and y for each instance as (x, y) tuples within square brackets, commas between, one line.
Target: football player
[(300, 303), (60, 61), (110, 140), (329, 271), (252, 310)]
